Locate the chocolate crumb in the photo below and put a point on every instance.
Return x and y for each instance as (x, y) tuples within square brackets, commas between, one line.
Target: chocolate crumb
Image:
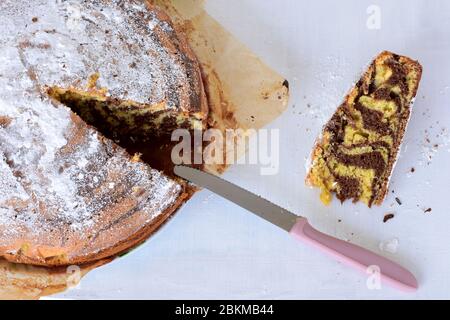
[(398, 201), (388, 217), (428, 210), (339, 220), (413, 170), (4, 121), (35, 19)]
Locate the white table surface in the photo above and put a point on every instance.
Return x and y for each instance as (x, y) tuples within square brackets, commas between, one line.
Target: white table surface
[(213, 249)]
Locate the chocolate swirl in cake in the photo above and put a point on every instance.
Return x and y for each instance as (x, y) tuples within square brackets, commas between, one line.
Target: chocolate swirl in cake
[(359, 147)]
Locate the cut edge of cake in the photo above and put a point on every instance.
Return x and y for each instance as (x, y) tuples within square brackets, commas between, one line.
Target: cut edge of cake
[(127, 117)]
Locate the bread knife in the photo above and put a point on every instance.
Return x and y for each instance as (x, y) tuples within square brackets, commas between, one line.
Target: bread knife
[(350, 254)]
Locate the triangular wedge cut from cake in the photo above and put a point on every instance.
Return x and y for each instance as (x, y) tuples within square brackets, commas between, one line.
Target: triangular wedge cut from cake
[(68, 195), (359, 146)]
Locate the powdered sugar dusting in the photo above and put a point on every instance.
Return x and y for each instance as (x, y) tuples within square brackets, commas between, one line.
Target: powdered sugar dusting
[(62, 183), (71, 40)]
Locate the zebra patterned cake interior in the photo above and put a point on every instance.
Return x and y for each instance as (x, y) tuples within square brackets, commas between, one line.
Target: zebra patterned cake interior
[(359, 145)]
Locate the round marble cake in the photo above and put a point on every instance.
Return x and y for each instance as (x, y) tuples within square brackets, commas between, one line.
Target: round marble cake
[(67, 194)]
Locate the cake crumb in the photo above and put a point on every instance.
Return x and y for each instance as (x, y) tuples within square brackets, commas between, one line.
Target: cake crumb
[(136, 157), (4, 121), (428, 210), (413, 170), (388, 217)]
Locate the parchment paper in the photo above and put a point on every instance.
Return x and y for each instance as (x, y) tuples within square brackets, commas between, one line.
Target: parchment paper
[(19, 281), (243, 93)]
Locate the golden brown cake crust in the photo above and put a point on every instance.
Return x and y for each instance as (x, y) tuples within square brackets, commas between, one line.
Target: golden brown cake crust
[(359, 146)]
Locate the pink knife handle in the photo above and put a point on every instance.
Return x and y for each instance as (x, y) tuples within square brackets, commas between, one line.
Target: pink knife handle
[(361, 259)]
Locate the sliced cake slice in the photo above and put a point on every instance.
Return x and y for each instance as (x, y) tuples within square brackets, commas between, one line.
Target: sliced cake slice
[(356, 154)]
